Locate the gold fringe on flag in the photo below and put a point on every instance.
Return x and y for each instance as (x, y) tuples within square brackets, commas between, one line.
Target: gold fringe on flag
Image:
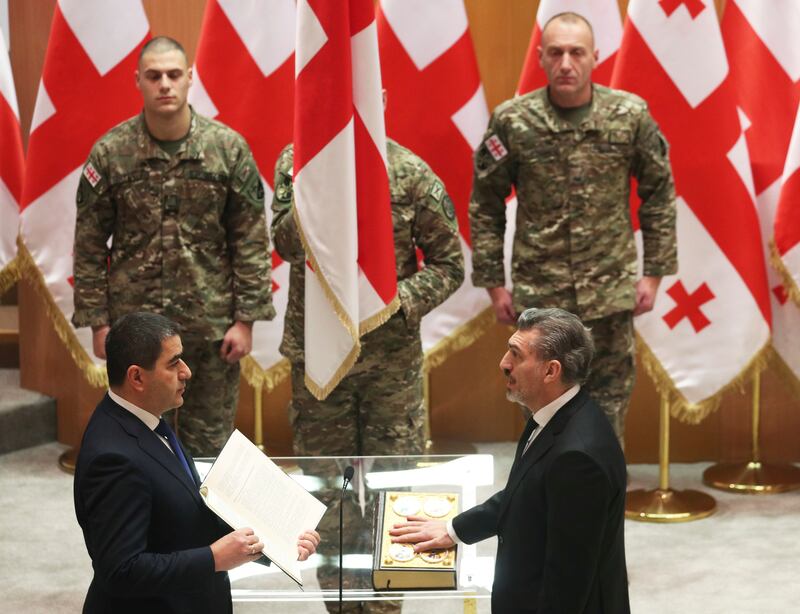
[(94, 374), (462, 337), (785, 372), (10, 275), (680, 408), (266, 379), (789, 284), (373, 322), (321, 392)]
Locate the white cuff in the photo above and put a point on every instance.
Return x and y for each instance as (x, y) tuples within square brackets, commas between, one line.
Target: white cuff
[(452, 532)]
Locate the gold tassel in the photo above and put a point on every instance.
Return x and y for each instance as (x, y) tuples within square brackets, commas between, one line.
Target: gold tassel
[(94, 374), (789, 284), (10, 275), (267, 379), (462, 337), (374, 321), (370, 324), (322, 392), (785, 372), (343, 316), (680, 408)]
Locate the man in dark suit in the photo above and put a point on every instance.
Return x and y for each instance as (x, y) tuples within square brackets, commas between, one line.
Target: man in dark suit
[(154, 545), (559, 520)]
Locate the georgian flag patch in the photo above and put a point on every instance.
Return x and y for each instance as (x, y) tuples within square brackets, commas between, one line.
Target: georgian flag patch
[(495, 147), (91, 174)]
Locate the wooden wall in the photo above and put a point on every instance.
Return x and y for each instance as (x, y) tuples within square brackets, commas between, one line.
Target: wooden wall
[(467, 402)]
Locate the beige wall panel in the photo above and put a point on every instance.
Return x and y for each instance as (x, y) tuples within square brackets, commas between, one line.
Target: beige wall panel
[(29, 23), (178, 19)]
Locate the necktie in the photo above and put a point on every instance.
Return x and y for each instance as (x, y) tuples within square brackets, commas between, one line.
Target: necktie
[(166, 432), (530, 439)]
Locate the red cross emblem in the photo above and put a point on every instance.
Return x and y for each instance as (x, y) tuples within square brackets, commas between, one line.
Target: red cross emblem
[(496, 147), (91, 174), (688, 306), (695, 7), (780, 294)]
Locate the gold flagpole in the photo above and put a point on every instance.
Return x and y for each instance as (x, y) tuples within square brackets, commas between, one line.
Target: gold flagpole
[(753, 477), (664, 504), (258, 417), (426, 400)]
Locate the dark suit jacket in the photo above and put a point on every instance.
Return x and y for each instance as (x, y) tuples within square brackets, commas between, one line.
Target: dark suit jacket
[(146, 527), (559, 520)]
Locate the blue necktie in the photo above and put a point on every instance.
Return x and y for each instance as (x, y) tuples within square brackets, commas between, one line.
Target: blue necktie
[(166, 432)]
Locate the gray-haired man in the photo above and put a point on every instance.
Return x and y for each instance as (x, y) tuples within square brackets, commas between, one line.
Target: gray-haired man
[(559, 520)]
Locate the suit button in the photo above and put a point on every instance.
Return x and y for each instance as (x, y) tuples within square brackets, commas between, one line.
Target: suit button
[(500, 539)]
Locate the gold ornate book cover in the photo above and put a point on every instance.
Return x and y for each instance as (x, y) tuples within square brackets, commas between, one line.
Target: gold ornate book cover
[(397, 566)]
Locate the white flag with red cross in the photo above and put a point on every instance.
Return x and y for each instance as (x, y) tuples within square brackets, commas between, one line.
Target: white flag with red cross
[(11, 168), (341, 185), (244, 77), (761, 44), (87, 87), (426, 47), (606, 23), (711, 321)]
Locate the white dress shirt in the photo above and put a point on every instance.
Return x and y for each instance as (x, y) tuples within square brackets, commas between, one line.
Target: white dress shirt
[(145, 416)]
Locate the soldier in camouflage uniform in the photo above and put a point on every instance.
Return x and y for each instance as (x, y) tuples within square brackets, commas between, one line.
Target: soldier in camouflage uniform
[(377, 409), (182, 200), (570, 150)]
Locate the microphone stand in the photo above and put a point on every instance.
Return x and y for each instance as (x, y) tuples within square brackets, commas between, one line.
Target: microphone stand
[(348, 475)]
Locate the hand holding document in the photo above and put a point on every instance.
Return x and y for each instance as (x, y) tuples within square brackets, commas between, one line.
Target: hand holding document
[(246, 489)]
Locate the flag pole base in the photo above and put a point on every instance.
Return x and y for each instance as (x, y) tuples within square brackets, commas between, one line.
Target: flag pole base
[(753, 478), (667, 505), (67, 460)]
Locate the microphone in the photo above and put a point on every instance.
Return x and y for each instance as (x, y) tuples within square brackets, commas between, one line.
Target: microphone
[(348, 475)]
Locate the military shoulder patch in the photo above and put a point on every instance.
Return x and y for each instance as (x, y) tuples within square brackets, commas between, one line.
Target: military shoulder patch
[(437, 191), (495, 147), (259, 190), (91, 174), (283, 188), (448, 208)]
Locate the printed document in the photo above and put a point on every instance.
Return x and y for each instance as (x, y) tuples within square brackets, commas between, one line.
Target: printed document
[(246, 489)]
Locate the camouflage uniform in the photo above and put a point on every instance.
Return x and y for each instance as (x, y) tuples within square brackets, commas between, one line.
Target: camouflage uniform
[(574, 245), (377, 409), (189, 242)]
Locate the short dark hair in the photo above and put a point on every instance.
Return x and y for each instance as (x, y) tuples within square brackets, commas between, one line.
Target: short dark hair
[(135, 339), (562, 337), (160, 44), (570, 17)]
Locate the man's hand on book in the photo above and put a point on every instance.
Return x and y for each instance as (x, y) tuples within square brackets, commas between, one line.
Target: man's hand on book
[(236, 548), (423, 533), (307, 545)]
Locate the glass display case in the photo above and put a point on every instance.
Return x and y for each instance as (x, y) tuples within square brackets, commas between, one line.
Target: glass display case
[(254, 584)]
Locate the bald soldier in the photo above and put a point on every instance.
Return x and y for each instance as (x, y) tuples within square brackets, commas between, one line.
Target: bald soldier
[(570, 150), (182, 200)]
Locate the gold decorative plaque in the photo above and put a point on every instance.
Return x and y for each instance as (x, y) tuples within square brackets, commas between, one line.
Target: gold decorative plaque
[(397, 566)]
